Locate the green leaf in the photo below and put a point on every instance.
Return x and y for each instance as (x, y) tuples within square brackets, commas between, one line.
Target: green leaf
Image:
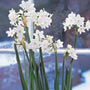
[(69, 75), (24, 86), (25, 69), (66, 79), (38, 78), (56, 82), (43, 69), (27, 34), (31, 78), (63, 69)]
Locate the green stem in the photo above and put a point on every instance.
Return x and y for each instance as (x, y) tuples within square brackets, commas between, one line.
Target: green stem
[(56, 83), (42, 64), (70, 68), (56, 63), (24, 86), (63, 70), (25, 69), (27, 34), (75, 41), (69, 75)]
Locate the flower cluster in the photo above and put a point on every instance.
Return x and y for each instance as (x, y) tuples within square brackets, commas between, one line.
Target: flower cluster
[(71, 52), (76, 21), (17, 32), (23, 18), (44, 42), (42, 18), (27, 13)]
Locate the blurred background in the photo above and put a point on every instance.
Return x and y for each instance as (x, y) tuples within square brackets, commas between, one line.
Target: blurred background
[(60, 9)]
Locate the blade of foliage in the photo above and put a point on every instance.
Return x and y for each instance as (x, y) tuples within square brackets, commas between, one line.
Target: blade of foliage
[(24, 86), (31, 72), (43, 69), (42, 77), (38, 81), (56, 82), (31, 78), (25, 69), (27, 34), (38, 78), (69, 75), (71, 84), (63, 68)]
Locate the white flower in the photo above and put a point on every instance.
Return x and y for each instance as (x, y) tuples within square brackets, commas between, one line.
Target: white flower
[(69, 46), (59, 44), (34, 45), (44, 46), (66, 26), (79, 20), (39, 35), (44, 19), (71, 18), (19, 30), (70, 21), (87, 25), (72, 54), (81, 29), (31, 16), (49, 38), (12, 16), (27, 5), (30, 13), (74, 20), (11, 32), (71, 51)]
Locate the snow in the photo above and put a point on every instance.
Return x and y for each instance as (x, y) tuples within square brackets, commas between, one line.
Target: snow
[(86, 84)]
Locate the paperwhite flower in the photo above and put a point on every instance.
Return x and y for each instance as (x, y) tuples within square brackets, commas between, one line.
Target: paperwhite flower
[(69, 46), (71, 51), (59, 44), (71, 18), (49, 38), (31, 16), (44, 19), (76, 21), (44, 46), (34, 45), (70, 21), (66, 26), (87, 25), (11, 32), (39, 35), (79, 20), (72, 54), (81, 29), (30, 13), (44, 42), (27, 5), (19, 30), (12, 16)]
